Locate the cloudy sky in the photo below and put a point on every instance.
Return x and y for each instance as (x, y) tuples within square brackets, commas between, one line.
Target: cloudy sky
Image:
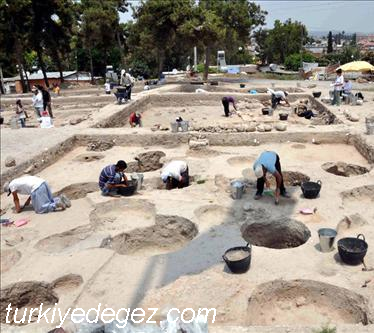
[(350, 16)]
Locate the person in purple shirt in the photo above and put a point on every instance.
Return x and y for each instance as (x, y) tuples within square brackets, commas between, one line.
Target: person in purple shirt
[(112, 177), (269, 161), (226, 103)]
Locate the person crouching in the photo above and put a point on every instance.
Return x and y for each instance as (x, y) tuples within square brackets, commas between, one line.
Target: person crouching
[(135, 119), (175, 175), (39, 195), (112, 177)]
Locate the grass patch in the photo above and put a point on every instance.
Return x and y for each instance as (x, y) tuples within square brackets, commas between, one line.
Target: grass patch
[(326, 329)]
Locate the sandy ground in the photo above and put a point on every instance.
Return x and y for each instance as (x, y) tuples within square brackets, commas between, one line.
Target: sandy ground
[(152, 276), (181, 268)]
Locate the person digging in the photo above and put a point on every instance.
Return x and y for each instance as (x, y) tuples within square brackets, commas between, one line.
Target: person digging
[(39, 194), (175, 175), (269, 161), (112, 177)]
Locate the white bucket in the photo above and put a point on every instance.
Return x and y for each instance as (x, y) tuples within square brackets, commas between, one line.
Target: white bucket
[(237, 189), (174, 127), (184, 125)]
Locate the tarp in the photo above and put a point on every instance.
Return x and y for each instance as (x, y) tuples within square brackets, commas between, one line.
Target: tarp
[(357, 66), (309, 66)]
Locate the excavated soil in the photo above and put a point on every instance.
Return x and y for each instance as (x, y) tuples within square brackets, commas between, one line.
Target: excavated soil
[(9, 258), (145, 162), (344, 169), (25, 295), (59, 242), (241, 161), (169, 232), (298, 146), (216, 215), (277, 234), (78, 190), (89, 157), (290, 178), (203, 152), (305, 302), (359, 193), (100, 145)]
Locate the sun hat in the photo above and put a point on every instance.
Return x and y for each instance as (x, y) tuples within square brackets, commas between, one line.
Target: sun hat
[(259, 172)]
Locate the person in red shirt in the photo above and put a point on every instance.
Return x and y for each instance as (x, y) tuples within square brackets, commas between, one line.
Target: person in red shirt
[(135, 119)]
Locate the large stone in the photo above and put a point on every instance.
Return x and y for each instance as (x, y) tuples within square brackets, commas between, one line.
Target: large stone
[(281, 127), (10, 162), (261, 128), (193, 144)]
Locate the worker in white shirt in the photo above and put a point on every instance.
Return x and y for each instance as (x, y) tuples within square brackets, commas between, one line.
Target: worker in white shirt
[(175, 175), (277, 97), (37, 102), (39, 195), (338, 87), (107, 87)]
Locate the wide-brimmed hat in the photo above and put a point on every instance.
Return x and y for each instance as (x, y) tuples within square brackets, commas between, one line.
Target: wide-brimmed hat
[(259, 172)]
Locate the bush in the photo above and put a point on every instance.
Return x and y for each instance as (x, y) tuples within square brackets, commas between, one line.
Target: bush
[(293, 61), (200, 69)]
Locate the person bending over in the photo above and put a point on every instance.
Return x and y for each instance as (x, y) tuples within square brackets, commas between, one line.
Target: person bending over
[(135, 119), (226, 104), (277, 97), (269, 161), (175, 175), (39, 195)]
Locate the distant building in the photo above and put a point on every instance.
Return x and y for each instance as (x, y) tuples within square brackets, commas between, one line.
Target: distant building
[(365, 42), (14, 84)]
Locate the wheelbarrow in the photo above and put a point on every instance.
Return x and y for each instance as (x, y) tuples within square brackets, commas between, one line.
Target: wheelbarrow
[(122, 94)]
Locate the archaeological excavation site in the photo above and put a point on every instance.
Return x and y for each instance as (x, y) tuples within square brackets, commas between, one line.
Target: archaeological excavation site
[(296, 267)]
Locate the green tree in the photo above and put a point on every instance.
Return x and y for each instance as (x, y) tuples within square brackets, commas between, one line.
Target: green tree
[(283, 40), (293, 61), (223, 23), (329, 43), (99, 28)]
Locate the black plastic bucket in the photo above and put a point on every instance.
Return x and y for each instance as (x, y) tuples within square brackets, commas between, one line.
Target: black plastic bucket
[(241, 265), (129, 190), (311, 189), (352, 250)]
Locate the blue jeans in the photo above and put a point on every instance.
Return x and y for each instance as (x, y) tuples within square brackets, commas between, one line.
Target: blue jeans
[(42, 199), (108, 191)]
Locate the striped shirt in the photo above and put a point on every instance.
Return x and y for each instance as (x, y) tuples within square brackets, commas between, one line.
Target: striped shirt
[(107, 175)]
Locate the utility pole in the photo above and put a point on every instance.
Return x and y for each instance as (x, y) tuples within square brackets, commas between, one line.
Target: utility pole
[(2, 86), (195, 58)]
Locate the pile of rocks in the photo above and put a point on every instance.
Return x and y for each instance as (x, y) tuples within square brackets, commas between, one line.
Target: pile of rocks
[(240, 128)]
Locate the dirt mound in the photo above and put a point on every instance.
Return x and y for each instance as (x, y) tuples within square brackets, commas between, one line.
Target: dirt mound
[(305, 302), (203, 152), (298, 146), (276, 234), (25, 295), (9, 258), (89, 157), (215, 215), (169, 232), (100, 145), (359, 193), (66, 282), (344, 169), (59, 242), (78, 190), (290, 178), (241, 161), (149, 161)]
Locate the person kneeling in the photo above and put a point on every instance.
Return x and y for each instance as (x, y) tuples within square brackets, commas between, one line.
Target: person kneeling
[(40, 195), (112, 177), (175, 175)]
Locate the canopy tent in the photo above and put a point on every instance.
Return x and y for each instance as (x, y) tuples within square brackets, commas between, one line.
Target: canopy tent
[(357, 66)]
